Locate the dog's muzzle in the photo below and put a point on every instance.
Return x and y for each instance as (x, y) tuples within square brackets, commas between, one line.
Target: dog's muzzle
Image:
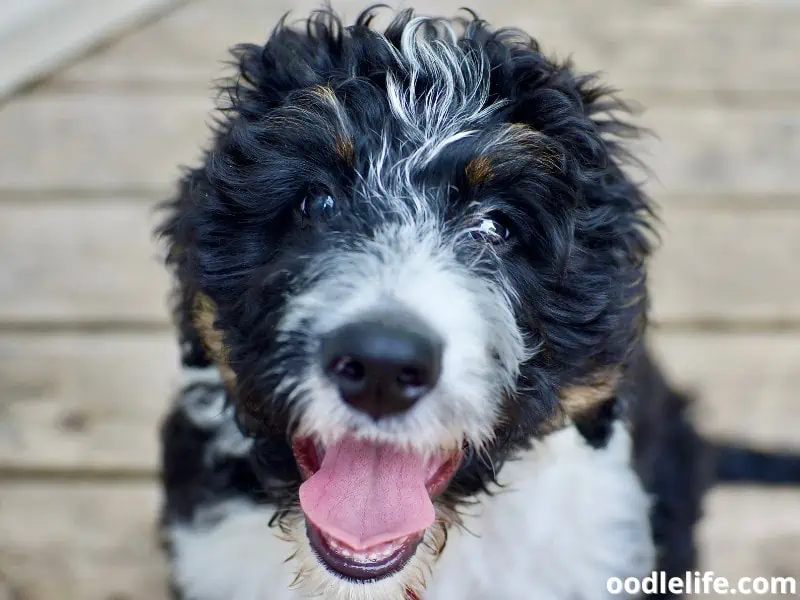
[(368, 503)]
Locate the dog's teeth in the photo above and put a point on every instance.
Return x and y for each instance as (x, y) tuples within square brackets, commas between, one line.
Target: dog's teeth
[(376, 553)]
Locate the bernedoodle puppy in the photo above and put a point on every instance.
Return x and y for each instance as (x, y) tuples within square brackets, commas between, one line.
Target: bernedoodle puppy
[(411, 298)]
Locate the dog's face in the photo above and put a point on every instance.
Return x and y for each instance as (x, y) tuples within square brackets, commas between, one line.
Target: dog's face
[(409, 252)]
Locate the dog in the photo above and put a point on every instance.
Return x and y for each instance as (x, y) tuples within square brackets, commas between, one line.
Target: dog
[(411, 300)]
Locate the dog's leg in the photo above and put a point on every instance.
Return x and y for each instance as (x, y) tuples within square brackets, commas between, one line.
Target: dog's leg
[(673, 461), (214, 527)]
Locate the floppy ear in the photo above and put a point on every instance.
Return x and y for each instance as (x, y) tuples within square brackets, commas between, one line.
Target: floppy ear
[(194, 313), (203, 321), (595, 305), (195, 349), (290, 60)]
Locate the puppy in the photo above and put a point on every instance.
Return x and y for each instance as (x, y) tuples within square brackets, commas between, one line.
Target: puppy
[(410, 292)]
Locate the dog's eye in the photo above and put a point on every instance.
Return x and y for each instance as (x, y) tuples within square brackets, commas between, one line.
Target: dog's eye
[(318, 207), (492, 231)]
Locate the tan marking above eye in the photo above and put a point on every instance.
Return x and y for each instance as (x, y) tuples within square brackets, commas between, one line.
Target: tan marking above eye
[(479, 170), (325, 92), (346, 150)]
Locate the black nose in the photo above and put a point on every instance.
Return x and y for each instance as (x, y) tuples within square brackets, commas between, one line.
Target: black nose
[(383, 363)]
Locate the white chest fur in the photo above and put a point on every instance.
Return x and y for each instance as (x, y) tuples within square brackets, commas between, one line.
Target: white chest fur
[(570, 518)]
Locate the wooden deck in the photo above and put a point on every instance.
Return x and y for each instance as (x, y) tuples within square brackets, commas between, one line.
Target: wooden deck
[(87, 359)]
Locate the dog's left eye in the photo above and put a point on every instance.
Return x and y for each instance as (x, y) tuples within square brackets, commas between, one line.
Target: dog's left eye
[(492, 231), (318, 207)]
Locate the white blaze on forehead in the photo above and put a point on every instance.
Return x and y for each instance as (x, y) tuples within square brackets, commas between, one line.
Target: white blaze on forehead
[(441, 98), (456, 84)]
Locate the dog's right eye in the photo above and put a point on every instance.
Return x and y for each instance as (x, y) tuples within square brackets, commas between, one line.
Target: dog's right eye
[(492, 230), (318, 207)]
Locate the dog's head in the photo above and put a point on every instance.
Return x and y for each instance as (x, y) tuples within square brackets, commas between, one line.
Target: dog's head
[(409, 252)]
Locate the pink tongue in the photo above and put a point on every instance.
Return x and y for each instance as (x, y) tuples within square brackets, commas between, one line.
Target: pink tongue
[(367, 494)]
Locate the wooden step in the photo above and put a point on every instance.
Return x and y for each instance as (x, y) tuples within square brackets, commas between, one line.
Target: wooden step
[(96, 262), (728, 47), (121, 141), (91, 403), (95, 541)]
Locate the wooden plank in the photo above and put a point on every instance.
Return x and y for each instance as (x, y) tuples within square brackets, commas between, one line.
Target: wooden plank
[(48, 33), (94, 262), (84, 401), (80, 542), (92, 402), (721, 151), (751, 532), (112, 142), (138, 141), (718, 265), (644, 46), (745, 384), (96, 542)]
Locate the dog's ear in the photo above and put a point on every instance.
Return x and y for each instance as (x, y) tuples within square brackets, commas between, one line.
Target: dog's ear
[(194, 351), (194, 313), (204, 322), (588, 127), (601, 228)]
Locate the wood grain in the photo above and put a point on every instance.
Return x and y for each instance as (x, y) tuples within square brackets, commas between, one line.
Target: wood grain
[(715, 151), (745, 384), (720, 265), (751, 532), (92, 402), (96, 262), (96, 541), (35, 41), (100, 141), (80, 542), (113, 142), (84, 401), (685, 47)]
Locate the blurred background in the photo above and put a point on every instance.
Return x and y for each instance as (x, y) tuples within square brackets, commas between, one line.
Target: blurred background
[(102, 100)]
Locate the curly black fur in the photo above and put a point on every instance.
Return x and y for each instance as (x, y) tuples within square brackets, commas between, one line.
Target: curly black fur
[(581, 232), (577, 262)]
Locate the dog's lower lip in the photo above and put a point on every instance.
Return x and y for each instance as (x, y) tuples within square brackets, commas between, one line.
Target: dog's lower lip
[(368, 565)]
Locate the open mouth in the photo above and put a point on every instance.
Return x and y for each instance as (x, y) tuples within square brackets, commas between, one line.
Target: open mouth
[(367, 505)]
